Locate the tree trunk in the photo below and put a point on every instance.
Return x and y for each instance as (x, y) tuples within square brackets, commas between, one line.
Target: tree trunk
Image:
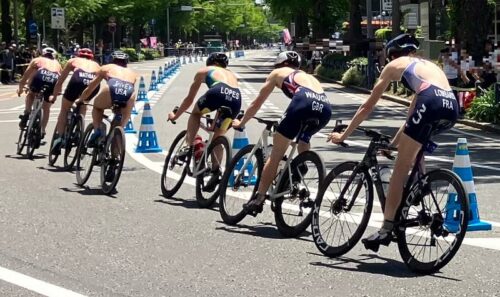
[(28, 15), (320, 30), (354, 34), (477, 18), (396, 18), (6, 21)]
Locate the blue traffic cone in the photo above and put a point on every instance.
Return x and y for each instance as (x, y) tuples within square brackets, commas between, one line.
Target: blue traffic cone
[(240, 141), (148, 143), (129, 128), (166, 74), (462, 167), (134, 111), (142, 94), (160, 76), (153, 86)]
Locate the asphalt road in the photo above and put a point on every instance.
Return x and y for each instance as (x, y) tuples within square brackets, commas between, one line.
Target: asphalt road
[(56, 236)]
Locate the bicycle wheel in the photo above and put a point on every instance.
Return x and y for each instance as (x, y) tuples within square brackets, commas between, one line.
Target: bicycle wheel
[(339, 222), (235, 188), (293, 211), (218, 152), (34, 134), (85, 157), (21, 141), (112, 165), (175, 166), (433, 221), (53, 157), (75, 132)]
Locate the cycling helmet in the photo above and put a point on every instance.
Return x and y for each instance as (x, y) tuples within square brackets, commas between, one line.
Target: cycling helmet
[(219, 59), (49, 52), (119, 55), (401, 45), (86, 53), (288, 58)]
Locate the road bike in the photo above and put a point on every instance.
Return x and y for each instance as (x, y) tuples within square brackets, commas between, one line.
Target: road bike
[(204, 167), (30, 136), (71, 138), (109, 153), (430, 223), (291, 199)]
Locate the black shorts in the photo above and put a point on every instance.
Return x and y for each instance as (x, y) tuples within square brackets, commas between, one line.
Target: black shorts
[(435, 110), (77, 84), (44, 78), (221, 95), (120, 91), (306, 104)]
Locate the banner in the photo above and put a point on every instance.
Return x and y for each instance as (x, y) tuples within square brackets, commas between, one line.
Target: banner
[(286, 37), (152, 41), (144, 41)]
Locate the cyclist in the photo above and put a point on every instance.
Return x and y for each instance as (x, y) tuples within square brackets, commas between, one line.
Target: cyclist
[(118, 91), (433, 109), (308, 101), (84, 70), (42, 71), (223, 91)]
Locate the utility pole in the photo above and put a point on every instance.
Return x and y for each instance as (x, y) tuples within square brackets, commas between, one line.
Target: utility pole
[(371, 44), (16, 37)]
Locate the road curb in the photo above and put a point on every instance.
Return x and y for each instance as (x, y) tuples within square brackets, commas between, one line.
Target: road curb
[(468, 122)]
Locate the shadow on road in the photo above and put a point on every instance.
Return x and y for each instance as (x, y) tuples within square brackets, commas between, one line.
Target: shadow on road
[(87, 191), (24, 157), (374, 264), (189, 204), (53, 169), (265, 230)]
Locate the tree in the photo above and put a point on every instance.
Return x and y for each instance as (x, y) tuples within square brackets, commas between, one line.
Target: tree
[(354, 35), (6, 21), (396, 18)]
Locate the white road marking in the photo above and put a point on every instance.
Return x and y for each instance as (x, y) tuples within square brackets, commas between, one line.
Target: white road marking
[(35, 285)]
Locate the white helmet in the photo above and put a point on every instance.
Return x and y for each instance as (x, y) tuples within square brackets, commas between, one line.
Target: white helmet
[(49, 52), (290, 57)]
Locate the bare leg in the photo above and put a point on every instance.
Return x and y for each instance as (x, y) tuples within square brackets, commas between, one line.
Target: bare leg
[(46, 114), (101, 102), (217, 153), (302, 147), (30, 97), (193, 125), (61, 120)]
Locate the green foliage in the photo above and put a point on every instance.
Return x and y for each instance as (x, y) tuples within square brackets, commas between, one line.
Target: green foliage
[(62, 60), (359, 61), (132, 54), (150, 54), (328, 72), (352, 77), (484, 108), (383, 34)]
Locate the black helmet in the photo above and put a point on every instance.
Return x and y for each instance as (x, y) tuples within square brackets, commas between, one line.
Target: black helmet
[(291, 58), (401, 45), (219, 59)]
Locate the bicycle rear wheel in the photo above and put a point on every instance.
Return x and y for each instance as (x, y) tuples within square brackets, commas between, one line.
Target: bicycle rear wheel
[(236, 188), (112, 165), (53, 157), (75, 133), (218, 152), (175, 166), (338, 222), (293, 211), (35, 134), (433, 221), (86, 157)]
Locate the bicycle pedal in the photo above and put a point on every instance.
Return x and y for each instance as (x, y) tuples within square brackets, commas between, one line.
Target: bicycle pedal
[(371, 245)]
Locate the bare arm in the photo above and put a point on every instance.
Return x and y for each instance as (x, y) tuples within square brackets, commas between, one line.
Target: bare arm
[(92, 86), (264, 93), (64, 74), (27, 76), (193, 90)]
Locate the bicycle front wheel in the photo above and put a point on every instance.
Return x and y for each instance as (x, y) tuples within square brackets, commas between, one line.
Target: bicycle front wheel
[(21, 141), (293, 210), (433, 221), (53, 157), (339, 221), (74, 134), (112, 165), (215, 162), (175, 166), (239, 183), (86, 157)]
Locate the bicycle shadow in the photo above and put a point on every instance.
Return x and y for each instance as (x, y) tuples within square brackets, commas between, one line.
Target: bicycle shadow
[(388, 266), (24, 157), (53, 169), (264, 230), (189, 204), (88, 191)]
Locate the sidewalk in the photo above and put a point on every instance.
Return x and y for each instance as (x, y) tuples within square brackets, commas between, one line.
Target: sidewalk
[(404, 101)]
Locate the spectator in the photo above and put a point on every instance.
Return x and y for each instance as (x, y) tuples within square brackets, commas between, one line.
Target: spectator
[(7, 65)]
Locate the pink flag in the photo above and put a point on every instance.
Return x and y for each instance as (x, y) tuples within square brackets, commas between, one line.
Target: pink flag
[(153, 40), (286, 36), (144, 41)]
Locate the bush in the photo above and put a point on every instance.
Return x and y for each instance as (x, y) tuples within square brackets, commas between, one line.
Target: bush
[(328, 72), (150, 54), (62, 60), (352, 77), (484, 108), (132, 54), (383, 34)]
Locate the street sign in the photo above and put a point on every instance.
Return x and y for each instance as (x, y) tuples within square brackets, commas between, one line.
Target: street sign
[(387, 5), (57, 18), (32, 26), (186, 8)]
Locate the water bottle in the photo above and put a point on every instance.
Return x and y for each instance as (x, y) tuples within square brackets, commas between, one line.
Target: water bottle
[(199, 145), (385, 177)]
